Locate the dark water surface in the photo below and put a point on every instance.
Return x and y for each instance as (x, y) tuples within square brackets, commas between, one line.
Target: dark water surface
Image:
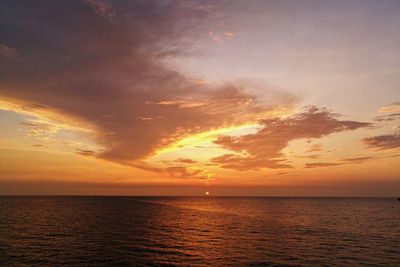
[(190, 231)]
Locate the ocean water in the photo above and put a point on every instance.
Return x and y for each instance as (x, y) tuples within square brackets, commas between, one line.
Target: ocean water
[(199, 231)]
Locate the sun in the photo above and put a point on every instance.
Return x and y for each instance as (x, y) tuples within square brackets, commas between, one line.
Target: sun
[(207, 193)]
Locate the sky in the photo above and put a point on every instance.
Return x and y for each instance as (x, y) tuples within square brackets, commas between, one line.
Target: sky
[(235, 98)]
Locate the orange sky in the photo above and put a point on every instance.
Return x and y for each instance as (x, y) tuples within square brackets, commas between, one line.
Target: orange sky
[(182, 98)]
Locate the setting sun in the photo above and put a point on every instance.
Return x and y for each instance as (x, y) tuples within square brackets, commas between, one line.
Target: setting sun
[(116, 115)]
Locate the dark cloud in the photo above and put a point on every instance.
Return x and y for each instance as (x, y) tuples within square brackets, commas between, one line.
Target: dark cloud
[(316, 156), (175, 169), (186, 173), (357, 159), (102, 63), (187, 161), (321, 164), (37, 145), (388, 141), (263, 149), (388, 117), (235, 162), (85, 152), (344, 161)]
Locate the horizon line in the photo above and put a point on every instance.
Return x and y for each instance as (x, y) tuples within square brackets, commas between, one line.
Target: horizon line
[(203, 196)]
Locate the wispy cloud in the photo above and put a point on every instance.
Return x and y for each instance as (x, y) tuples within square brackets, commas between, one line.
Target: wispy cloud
[(388, 117), (230, 34), (215, 37), (382, 142), (7, 52), (187, 172), (85, 152), (345, 161), (186, 161), (394, 107), (357, 159), (103, 8), (41, 130), (321, 164), (315, 148)]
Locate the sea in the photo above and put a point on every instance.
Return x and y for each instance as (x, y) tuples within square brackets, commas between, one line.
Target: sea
[(199, 231)]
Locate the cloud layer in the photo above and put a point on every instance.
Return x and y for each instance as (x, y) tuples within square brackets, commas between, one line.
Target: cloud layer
[(103, 63)]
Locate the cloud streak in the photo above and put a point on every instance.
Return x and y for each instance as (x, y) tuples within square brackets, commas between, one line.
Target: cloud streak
[(393, 107), (41, 130), (388, 117), (344, 161), (383, 142)]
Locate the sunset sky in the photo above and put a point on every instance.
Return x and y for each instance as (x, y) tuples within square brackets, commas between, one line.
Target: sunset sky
[(185, 97)]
